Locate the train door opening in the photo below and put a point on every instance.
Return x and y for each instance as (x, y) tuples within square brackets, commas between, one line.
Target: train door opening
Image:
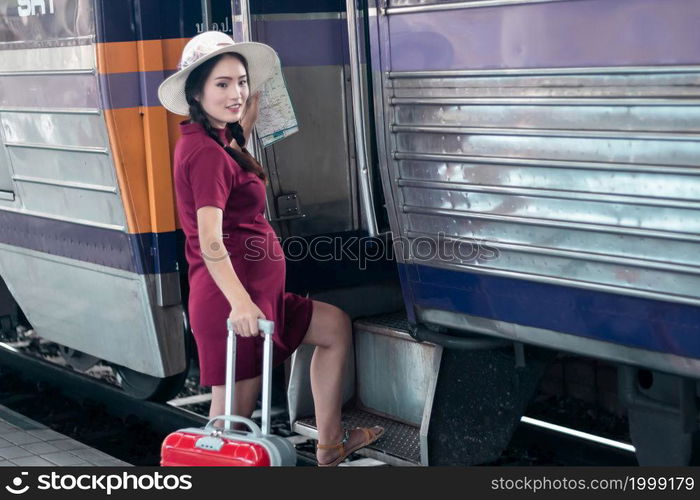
[(330, 169), (325, 198)]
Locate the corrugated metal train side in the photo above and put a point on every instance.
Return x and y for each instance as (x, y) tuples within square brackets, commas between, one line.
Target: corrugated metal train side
[(551, 150)]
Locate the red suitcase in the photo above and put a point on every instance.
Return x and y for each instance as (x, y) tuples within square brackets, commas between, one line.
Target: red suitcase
[(228, 447)]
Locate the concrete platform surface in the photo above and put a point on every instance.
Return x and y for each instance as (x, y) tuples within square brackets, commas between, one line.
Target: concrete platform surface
[(24, 442)]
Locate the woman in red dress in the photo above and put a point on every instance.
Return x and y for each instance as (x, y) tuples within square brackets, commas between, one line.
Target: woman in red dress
[(220, 192)]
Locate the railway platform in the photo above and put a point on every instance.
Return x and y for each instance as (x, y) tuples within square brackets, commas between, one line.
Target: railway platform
[(24, 442)]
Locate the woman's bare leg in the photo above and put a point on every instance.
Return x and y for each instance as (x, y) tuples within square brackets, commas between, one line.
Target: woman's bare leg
[(245, 397), (330, 331)]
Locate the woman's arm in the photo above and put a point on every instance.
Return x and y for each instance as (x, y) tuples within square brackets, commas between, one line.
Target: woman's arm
[(250, 115), (244, 313)]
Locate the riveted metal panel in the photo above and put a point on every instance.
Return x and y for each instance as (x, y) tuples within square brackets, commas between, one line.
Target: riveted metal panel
[(72, 202), (509, 144), (49, 59), (588, 240), (55, 128), (557, 206), (680, 283), (606, 180), (90, 168), (582, 175), (624, 204), (648, 82), (99, 310), (616, 115)]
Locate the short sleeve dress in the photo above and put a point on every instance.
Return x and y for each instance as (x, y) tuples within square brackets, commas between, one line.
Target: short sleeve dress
[(205, 175)]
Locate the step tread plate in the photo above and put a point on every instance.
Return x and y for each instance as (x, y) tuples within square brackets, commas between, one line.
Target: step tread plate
[(400, 444), (393, 321)]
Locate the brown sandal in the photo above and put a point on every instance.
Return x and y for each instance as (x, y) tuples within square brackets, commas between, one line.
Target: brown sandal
[(370, 437)]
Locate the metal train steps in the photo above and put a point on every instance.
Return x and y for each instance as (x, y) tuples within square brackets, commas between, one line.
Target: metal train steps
[(400, 444), (390, 381)]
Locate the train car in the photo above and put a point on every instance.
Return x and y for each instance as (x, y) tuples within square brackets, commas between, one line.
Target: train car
[(558, 141), (482, 184), (88, 246)]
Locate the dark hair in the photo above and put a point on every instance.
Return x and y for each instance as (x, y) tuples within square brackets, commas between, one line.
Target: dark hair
[(194, 87)]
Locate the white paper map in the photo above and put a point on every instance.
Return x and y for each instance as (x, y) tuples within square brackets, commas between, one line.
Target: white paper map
[(276, 118)]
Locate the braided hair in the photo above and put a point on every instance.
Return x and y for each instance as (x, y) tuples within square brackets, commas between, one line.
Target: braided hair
[(194, 87)]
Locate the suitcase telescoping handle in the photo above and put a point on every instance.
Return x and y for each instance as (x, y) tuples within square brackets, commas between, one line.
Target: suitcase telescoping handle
[(267, 328), (254, 429)]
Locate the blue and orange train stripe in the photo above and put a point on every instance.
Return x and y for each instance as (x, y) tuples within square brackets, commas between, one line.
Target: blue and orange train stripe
[(142, 134), (138, 44), (133, 58)]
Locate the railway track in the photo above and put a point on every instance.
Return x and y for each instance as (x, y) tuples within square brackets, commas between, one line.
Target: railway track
[(90, 408)]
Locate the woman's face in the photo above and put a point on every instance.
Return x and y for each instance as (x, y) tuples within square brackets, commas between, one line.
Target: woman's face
[(225, 92)]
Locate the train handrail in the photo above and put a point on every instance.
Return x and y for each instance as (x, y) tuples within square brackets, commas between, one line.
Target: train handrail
[(359, 120)]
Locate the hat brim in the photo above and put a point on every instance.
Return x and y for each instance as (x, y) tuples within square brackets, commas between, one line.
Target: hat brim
[(262, 62)]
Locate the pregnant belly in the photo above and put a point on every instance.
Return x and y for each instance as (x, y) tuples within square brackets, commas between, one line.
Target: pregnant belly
[(260, 258)]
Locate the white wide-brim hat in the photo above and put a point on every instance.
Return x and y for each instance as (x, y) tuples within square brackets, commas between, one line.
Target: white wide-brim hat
[(262, 62)]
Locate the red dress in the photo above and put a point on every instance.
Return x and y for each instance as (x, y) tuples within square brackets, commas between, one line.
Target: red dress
[(205, 175)]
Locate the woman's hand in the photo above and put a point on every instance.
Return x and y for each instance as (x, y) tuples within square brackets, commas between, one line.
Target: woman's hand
[(250, 115), (244, 317), (251, 107)]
